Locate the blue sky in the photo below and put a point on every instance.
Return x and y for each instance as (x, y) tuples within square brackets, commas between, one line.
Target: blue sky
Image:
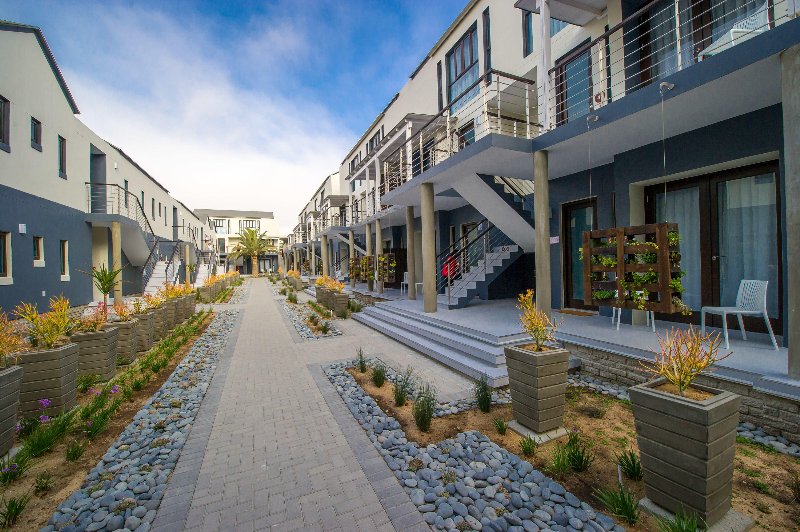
[(264, 97)]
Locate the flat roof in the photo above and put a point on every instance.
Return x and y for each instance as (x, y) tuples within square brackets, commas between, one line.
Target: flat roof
[(218, 213)]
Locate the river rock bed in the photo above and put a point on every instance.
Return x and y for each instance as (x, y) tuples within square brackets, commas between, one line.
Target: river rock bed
[(467, 482), (124, 490), (297, 314)]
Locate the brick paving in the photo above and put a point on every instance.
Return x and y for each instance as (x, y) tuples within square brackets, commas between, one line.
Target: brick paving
[(274, 447)]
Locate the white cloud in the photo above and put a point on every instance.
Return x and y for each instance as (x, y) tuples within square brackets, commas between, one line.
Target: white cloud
[(165, 92)]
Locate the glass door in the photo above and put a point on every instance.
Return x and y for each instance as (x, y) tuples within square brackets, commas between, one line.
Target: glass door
[(577, 218)]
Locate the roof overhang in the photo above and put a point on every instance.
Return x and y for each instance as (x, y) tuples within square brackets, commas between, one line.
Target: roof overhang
[(577, 12)]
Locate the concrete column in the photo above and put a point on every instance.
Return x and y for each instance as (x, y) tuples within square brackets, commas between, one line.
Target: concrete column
[(186, 264), (377, 185), (543, 66), (352, 241), (116, 258), (410, 259), (428, 248), (370, 284), (378, 249), (324, 251), (312, 259), (541, 209), (790, 80)]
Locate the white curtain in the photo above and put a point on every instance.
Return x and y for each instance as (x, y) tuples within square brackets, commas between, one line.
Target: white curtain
[(682, 206)]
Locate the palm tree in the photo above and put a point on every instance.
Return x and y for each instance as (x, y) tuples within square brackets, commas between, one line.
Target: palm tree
[(251, 244)]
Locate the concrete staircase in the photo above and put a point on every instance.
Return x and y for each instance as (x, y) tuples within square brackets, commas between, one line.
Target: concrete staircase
[(158, 278), (468, 351), (203, 273), (469, 285)]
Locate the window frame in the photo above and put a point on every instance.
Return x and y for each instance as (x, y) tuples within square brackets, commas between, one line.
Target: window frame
[(5, 124), (528, 41), (5, 258), (561, 85), (62, 157), (153, 209), (487, 44), (475, 62), (64, 259), (125, 187), (38, 252), (36, 134)]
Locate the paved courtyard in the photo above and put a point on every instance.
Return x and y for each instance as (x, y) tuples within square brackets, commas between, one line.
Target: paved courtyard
[(274, 447)]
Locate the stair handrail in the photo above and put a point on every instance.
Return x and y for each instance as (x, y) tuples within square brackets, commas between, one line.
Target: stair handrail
[(150, 263), (523, 194), (119, 207), (170, 275), (458, 245)]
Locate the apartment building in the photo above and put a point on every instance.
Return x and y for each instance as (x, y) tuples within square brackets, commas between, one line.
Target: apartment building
[(528, 124), (229, 224), (70, 200)]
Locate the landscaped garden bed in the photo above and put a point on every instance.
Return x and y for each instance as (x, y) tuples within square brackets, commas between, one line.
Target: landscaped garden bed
[(602, 424), (311, 321)]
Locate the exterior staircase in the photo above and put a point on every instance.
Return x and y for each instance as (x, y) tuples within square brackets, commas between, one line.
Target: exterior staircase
[(460, 291)]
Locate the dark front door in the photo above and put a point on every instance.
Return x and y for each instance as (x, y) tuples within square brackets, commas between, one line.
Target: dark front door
[(578, 217), (729, 225)]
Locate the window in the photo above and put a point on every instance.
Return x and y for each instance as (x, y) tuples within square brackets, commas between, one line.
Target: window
[(64, 260), (125, 186), (354, 162), (557, 25), (38, 252), (153, 208), (62, 157), (36, 134), (5, 256), (426, 159), (527, 33), (5, 125), (462, 69), (141, 198), (165, 215), (573, 81), (249, 224), (466, 135), (487, 43), (439, 85), (374, 141), (159, 209)]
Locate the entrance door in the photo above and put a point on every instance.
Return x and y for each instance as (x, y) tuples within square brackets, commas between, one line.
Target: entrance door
[(729, 225), (577, 217)]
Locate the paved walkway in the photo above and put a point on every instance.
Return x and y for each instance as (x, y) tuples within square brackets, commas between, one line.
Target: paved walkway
[(274, 447)]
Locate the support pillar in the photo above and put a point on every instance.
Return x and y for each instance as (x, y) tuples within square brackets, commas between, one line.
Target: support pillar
[(370, 284), (790, 78), (428, 248), (410, 251), (324, 249), (116, 258), (541, 209), (187, 272), (352, 242), (378, 250)]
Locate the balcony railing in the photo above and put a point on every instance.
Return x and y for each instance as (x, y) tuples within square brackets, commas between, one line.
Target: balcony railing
[(496, 103), (109, 198), (661, 38)]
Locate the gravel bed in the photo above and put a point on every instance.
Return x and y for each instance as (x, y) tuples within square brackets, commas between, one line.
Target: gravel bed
[(749, 431), (238, 294), (123, 491), (467, 482), (298, 313)]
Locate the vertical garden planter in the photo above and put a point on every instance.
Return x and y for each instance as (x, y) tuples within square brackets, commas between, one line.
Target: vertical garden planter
[(127, 340), (48, 374), (97, 352), (10, 380), (687, 448), (538, 382), (145, 331)]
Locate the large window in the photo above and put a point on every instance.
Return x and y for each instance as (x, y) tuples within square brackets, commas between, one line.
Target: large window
[(462, 69), (557, 25), (220, 226), (36, 134), (573, 93), (5, 124), (62, 157)]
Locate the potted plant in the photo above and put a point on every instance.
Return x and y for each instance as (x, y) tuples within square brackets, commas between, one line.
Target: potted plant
[(322, 291), (97, 345), (537, 372), (11, 342), (104, 280), (337, 298), (51, 365), (145, 316), (686, 432), (168, 294), (204, 291), (127, 337)]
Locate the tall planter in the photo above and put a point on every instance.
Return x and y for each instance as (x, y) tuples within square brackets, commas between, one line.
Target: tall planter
[(171, 314), (127, 340), (145, 331), (538, 381), (687, 448), (48, 374), (159, 323), (339, 302), (205, 294), (97, 352), (10, 380), (323, 296)]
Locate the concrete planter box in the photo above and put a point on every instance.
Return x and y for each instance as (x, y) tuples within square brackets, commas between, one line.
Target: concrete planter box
[(145, 331), (10, 380), (297, 284), (171, 314), (127, 340), (538, 382), (49, 374), (205, 294), (159, 323), (323, 296), (191, 305), (687, 448), (97, 352), (339, 302)]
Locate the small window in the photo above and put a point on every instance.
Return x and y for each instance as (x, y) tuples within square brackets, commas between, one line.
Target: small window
[(466, 135), (527, 33), (165, 215), (153, 208), (64, 260), (5, 254), (62, 157), (558, 25), (36, 134), (141, 198), (125, 186), (5, 125), (38, 251)]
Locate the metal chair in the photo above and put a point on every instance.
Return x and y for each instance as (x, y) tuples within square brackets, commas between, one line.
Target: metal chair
[(750, 301), (405, 282)]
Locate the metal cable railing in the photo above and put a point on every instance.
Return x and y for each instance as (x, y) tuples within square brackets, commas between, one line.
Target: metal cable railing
[(171, 272), (521, 188)]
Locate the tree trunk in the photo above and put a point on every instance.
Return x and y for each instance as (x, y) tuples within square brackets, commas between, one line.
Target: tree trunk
[(254, 264)]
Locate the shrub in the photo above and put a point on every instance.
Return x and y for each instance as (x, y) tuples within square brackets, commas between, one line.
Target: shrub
[(579, 455), (424, 407), (535, 322), (325, 327), (26, 426), (378, 374), (49, 329), (630, 465), (43, 483), (292, 297), (483, 394), (500, 425), (354, 306), (620, 502), (87, 381), (104, 280), (449, 477), (13, 468), (403, 387), (361, 361), (282, 291), (11, 341), (313, 318), (680, 522), (559, 461), (11, 509), (48, 434), (74, 450), (528, 446)]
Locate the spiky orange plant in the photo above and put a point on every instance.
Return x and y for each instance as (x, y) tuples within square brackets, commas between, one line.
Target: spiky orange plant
[(123, 311), (293, 273), (152, 301), (535, 322), (93, 321), (48, 329), (11, 341), (685, 353)]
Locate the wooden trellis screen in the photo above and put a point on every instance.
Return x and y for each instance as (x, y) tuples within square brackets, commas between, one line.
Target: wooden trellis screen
[(624, 265)]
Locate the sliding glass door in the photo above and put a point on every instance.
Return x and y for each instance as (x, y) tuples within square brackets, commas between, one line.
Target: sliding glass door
[(577, 218)]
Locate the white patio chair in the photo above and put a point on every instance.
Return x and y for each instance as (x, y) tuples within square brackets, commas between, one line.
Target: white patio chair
[(404, 282), (750, 301), (750, 26)]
